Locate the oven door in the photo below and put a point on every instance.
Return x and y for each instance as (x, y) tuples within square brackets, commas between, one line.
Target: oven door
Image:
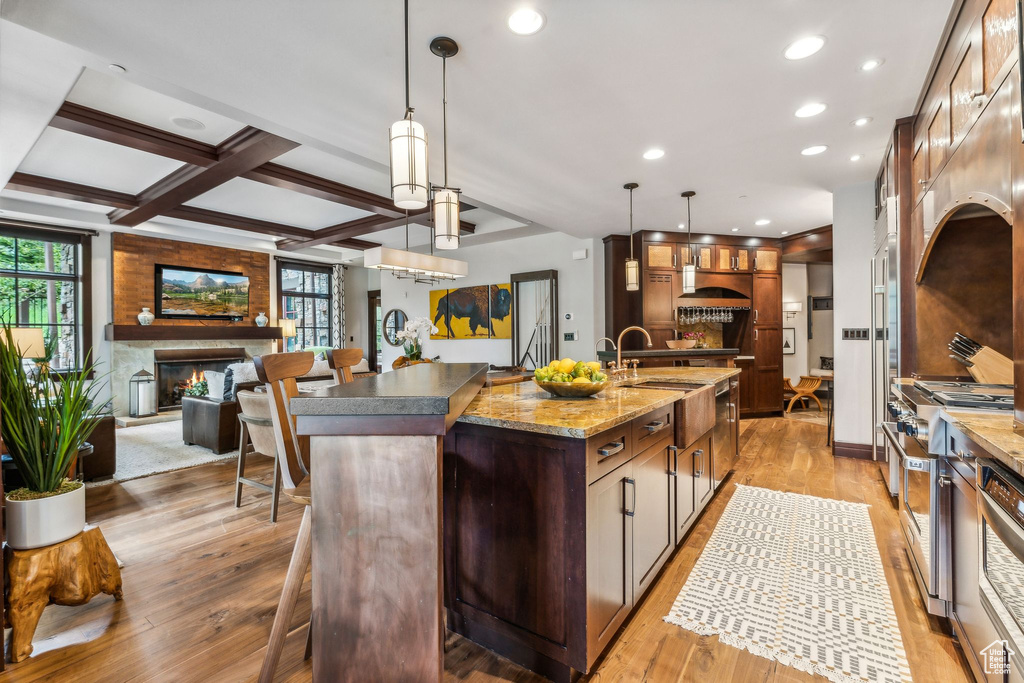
[(1002, 583)]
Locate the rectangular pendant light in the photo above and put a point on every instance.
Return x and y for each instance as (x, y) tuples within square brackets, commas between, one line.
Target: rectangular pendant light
[(446, 218), (689, 279), (632, 275), (400, 261)]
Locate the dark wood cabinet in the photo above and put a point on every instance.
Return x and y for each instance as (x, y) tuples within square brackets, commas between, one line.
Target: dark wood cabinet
[(683, 500), (730, 259), (703, 484), (653, 528), (767, 372), (767, 260), (745, 386), (662, 289), (609, 543), (700, 255), (661, 256), (766, 302)]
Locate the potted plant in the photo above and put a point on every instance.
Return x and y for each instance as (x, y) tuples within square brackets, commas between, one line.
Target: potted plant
[(45, 420), (690, 339)]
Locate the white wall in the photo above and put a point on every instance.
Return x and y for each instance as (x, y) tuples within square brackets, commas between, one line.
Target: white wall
[(794, 288), (580, 292), (853, 219), (103, 311), (356, 315), (819, 283)]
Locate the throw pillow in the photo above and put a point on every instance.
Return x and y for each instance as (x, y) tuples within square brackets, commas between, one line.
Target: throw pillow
[(827, 363)]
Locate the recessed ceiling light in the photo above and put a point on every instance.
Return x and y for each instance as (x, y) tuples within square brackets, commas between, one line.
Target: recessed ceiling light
[(681, 226), (812, 109), (762, 221), (813, 149), (187, 123), (735, 229), (785, 232), (856, 157), (117, 68), (805, 47), (525, 21), (862, 121), (654, 153), (871, 64)]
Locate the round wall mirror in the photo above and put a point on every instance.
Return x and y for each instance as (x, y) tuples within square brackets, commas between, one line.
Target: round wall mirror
[(393, 323)]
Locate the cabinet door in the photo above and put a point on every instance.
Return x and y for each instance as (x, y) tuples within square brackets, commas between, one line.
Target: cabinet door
[(703, 487), (685, 504), (702, 256), (659, 335), (733, 259), (609, 554), (766, 260), (662, 289), (734, 415), (746, 386), (965, 91), (661, 256), (938, 139), (919, 171), (653, 530), (767, 368), (767, 299), (999, 40)]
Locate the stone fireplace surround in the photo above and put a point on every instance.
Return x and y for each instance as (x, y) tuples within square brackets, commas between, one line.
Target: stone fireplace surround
[(128, 357)]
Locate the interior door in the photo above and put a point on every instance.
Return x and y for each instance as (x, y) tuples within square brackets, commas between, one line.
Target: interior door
[(653, 531), (374, 334)]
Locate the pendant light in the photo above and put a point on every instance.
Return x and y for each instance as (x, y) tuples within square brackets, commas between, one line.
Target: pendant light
[(690, 268), (408, 150), (446, 199), (632, 265)]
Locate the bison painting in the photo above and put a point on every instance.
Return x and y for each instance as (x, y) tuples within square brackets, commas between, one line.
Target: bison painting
[(478, 305)]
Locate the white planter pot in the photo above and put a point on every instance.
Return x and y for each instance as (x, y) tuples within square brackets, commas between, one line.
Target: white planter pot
[(262, 320), (42, 522), (146, 318)]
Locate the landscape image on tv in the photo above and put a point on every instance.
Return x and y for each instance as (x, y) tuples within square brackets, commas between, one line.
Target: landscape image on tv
[(186, 292)]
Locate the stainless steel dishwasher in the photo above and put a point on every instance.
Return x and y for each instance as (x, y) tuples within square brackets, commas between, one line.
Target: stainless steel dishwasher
[(723, 444)]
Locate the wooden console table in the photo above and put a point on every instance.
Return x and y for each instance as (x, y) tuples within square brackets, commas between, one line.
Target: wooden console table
[(375, 447)]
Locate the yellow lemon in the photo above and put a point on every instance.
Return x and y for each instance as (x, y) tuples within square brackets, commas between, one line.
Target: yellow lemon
[(581, 380), (554, 364), (594, 365), (566, 365)]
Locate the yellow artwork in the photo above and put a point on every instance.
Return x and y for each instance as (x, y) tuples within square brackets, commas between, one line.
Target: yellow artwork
[(437, 298), (501, 311)]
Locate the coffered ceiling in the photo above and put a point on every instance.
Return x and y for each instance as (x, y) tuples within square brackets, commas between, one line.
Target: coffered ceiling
[(543, 129)]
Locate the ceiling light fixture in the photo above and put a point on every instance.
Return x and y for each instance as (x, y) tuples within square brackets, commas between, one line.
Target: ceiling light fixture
[(813, 150), (804, 47), (446, 199), (681, 226), (632, 265), (811, 109), (689, 268), (856, 157), (413, 263), (871, 64), (735, 229), (117, 68), (862, 121), (654, 153), (762, 221), (785, 232), (187, 123), (408, 150), (525, 21)]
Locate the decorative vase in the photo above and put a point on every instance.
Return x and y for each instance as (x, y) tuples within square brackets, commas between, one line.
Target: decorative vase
[(146, 318), (45, 521), (689, 343), (262, 319)]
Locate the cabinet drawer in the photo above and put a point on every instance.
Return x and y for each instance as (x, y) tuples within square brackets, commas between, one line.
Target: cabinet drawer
[(650, 428), (696, 415), (608, 450)]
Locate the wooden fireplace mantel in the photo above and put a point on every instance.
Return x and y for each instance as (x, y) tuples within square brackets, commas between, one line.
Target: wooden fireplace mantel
[(188, 332)]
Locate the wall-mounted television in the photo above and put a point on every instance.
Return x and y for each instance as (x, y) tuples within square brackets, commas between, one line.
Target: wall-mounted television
[(183, 292)]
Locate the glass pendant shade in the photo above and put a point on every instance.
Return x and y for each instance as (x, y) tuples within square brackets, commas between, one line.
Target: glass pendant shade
[(689, 279), (632, 275), (446, 219), (409, 186)]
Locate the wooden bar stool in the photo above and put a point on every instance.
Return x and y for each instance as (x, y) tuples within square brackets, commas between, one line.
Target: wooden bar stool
[(258, 432), (342, 361), (804, 390)]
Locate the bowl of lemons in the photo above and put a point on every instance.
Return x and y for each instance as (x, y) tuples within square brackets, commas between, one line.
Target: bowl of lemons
[(571, 379)]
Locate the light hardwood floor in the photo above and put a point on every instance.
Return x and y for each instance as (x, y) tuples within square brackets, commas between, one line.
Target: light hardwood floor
[(202, 579)]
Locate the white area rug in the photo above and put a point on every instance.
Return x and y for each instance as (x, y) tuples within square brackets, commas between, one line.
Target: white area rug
[(154, 448), (799, 580)]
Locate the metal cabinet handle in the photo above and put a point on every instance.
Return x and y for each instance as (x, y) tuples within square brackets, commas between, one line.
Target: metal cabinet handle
[(922, 181), (655, 426), (965, 455), (674, 472), (755, 263), (611, 448), (673, 259), (731, 407), (945, 480), (755, 332), (699, 453), (632, 482)]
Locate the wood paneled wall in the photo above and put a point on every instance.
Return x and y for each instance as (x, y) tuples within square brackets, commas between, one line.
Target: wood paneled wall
[(134, 260), (967, 287)]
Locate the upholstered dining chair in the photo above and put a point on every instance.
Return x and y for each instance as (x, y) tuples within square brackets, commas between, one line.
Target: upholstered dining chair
[(258, 432), (278, 372), (342, 361)]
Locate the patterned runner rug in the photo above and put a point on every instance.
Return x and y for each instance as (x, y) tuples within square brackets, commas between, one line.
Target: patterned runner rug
[(799, 580)]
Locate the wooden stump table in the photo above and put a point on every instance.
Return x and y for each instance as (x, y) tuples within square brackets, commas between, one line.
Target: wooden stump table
[(66, 573)]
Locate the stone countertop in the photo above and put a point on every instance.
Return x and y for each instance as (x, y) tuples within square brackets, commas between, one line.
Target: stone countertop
[(992, 431), (527, 407), (665, 353), (423, 389)]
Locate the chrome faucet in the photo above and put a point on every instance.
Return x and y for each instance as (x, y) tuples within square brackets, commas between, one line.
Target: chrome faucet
[(597, 346), (618, 360)]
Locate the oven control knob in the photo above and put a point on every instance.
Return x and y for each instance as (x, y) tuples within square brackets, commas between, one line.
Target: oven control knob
[(894, 409), (900, 425), (911, 429)]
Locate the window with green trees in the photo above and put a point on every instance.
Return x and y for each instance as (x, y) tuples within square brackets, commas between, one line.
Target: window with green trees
[(39, 287)]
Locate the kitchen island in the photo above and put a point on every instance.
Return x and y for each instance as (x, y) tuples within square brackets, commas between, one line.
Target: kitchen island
[(559, 513)]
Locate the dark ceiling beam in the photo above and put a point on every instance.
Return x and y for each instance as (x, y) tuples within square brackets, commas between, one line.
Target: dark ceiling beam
[(97, 124), (322, 188), (242, 152), (52, 187), (342, 231), (227, 220)]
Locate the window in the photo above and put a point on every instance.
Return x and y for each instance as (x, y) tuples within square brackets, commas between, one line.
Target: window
[(40, 286), (306, 298)]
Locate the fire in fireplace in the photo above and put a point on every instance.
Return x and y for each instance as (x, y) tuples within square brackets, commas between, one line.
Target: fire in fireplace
[(181, 369)]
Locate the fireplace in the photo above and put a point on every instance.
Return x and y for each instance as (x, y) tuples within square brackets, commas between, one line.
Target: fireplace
[(176, 369)]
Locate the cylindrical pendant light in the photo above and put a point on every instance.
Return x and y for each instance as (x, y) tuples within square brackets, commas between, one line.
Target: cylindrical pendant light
[(446, 199), (689, 269), (408, 150), (632, 265)]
